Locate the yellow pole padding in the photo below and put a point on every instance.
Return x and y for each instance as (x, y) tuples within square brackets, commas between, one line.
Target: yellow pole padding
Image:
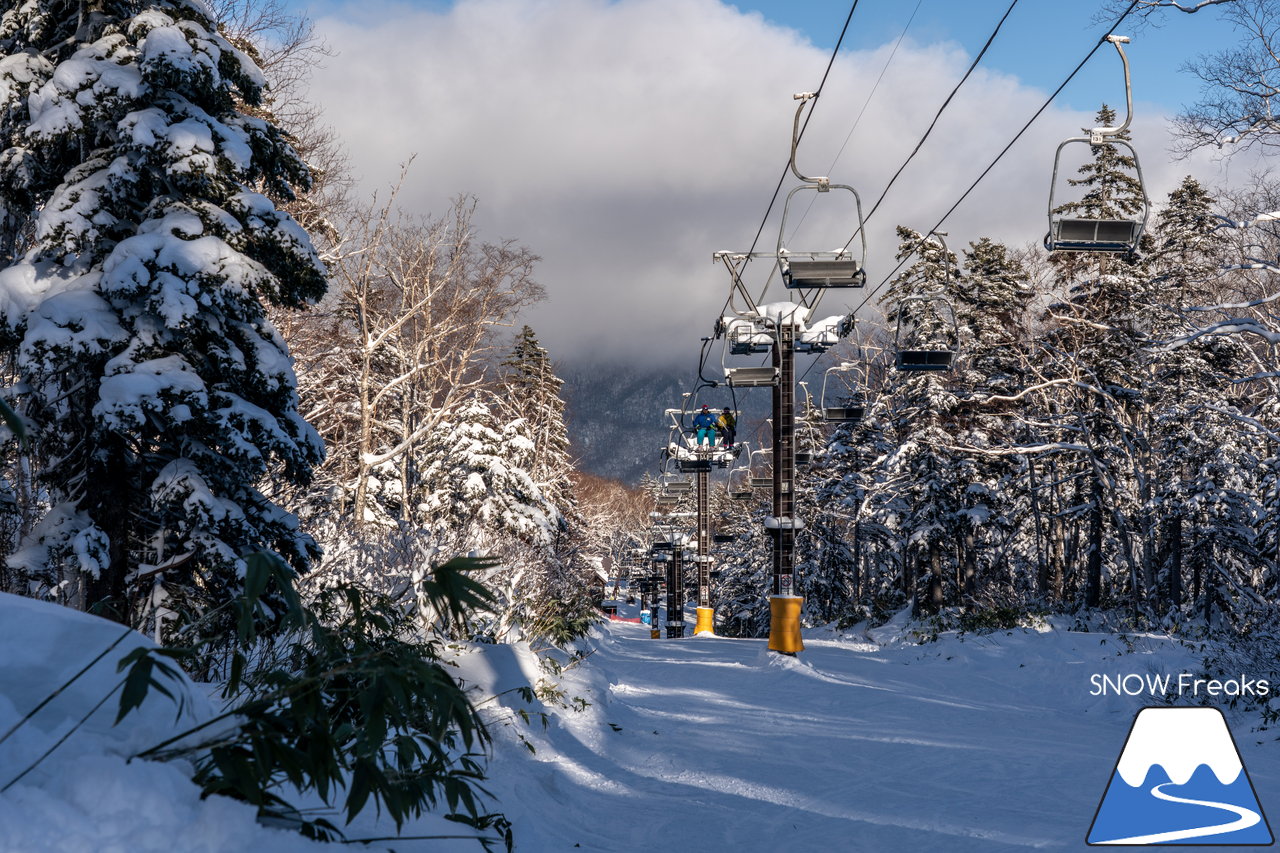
[(706, 621), (655, 634), (784, 623)]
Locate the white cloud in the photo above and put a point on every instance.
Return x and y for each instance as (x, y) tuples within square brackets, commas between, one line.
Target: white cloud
[(626, 141)]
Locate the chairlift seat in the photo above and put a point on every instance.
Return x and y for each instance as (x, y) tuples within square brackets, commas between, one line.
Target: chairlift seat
[(678, 487), (761, 482), (746, 338), (843, 414), (689, 466), (925, 359), (801, 273), (1094, 235), (803, 457), (741, 496), (723, 538), (751, 377)]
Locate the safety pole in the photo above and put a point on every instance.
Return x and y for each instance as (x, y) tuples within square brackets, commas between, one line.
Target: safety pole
[(784, 604)]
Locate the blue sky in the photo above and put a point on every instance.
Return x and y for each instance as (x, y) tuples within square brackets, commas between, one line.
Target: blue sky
[(1040, 42)]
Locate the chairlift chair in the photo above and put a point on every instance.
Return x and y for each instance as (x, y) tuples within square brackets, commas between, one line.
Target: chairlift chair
[(819, 270), (760, 482), (1086, 234), (853, 406), (926, 358), (739, 484), (751, 377), (747, 335)]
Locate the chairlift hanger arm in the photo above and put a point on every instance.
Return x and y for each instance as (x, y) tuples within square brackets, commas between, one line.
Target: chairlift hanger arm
[(1097, 135), (822, 184)]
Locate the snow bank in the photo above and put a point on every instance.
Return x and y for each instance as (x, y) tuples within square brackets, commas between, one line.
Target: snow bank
[(87, 795)]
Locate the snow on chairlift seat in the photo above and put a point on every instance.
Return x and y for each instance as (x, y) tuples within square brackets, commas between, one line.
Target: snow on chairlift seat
[(747, 336), (821, 336), (806, 273)]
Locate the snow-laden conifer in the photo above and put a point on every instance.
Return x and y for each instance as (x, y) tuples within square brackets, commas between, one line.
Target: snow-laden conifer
[(139, 248)]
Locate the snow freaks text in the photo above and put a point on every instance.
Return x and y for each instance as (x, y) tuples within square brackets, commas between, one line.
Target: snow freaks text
[(1182, 684)]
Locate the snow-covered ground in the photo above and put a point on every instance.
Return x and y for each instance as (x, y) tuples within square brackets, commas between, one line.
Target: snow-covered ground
[(867, 741), (975, 743)]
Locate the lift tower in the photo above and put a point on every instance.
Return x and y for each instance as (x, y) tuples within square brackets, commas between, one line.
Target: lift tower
[(806, 276)]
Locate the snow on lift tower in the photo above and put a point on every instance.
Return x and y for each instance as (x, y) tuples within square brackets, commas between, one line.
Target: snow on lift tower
[(852, 405), (837, 268), (1086, 234)]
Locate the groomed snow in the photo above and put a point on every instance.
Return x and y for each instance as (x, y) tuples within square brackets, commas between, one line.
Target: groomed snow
[(865, 742)]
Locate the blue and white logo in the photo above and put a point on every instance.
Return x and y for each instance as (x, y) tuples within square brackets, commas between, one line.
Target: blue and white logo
[(1180, 781)]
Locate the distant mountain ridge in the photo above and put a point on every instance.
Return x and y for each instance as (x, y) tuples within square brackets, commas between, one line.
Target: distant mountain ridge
[(616, 414)]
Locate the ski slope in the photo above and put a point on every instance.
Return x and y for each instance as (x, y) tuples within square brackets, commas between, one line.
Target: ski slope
[(868, 741), (865, 742)]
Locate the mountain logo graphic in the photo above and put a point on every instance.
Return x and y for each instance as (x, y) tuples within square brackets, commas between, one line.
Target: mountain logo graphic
[(1180, 781)]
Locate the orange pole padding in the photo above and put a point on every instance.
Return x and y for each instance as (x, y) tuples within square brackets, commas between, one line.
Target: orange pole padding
[(706, 623), (784, 623)]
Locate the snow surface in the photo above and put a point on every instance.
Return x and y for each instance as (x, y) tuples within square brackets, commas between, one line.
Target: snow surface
[(865, 742), (87, 795), (868, 741)]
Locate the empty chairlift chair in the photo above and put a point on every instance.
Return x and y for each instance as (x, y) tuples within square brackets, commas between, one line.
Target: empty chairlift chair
[(819, 270), (751, 377), (841, 408), (1071, 232), (926, 336)]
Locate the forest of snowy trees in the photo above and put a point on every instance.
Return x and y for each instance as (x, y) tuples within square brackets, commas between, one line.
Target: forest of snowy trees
[(279, 428)]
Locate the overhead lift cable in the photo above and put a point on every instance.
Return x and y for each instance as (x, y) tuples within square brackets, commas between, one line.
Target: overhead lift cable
[(943, 108), (1101, 41), (929, 130), (866, 103)]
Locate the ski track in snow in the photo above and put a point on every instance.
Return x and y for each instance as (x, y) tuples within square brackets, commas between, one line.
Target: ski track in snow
[(1245, 818), (985, 745)]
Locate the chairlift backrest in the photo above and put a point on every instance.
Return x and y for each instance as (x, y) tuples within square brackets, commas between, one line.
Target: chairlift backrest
[(751, 377)]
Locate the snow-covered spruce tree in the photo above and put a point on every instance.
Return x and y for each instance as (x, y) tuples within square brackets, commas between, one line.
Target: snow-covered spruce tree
[(532, 392), (557, 602), (923, 419), (139, 248)]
